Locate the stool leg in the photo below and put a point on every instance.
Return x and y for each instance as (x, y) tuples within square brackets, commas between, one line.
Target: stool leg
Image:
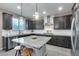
[(19, 53), (16, 53)]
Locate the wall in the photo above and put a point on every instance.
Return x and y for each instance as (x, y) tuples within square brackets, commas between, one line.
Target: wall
[(0, 30), (48, 26)]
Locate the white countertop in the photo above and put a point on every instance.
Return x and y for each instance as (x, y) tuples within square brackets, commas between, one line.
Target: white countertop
[(32, 43), (62, 32), (55, 32)]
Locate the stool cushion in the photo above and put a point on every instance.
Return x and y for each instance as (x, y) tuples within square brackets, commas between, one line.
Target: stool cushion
[(26, 52), (17, 48)]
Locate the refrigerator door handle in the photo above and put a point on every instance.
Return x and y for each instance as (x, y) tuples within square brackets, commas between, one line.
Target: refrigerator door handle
[(72, 34)]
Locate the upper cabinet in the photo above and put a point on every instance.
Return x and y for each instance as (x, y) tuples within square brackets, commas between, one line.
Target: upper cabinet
[(7, 21), (11, 22), (36, 24), (62, 22), (31, 24), (26, 24), (40, 24), (68, 21)]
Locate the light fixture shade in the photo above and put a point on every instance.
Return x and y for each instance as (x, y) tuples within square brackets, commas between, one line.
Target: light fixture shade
[(36, 15), (44, 12), (21, 18)]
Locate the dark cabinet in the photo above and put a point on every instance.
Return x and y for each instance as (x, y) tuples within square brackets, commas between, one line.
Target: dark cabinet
[(26, 24), (7, 43), (62, 22), (68, 21), (7, 21), (31, 24), (40, 24), (59, 23), (35, 24), (60, 41)]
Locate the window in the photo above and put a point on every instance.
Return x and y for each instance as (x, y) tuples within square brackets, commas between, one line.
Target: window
[(18, 24), (15, 24)]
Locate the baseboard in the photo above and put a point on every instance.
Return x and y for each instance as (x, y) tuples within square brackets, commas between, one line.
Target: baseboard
[(0, 48)]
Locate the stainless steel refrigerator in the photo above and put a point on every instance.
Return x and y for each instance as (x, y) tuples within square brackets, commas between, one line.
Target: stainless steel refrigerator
[(75, 34)]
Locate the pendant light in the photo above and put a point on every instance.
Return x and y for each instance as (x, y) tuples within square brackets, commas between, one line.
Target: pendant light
[(36, 15), (21, 18)]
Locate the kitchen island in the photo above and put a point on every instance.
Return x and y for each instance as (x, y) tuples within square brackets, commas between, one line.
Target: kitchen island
[(37, 43)]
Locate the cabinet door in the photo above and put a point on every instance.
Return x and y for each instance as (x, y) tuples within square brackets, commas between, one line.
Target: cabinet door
[(60, 41), (59, 23), (52, 41), (48, 19), (7, 21), (68, 40), (26, 24), (39, 24), (62, 22), (31, 24), (68, 22)]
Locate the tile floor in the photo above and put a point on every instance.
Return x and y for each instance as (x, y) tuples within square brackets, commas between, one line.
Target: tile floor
[(51, 51)]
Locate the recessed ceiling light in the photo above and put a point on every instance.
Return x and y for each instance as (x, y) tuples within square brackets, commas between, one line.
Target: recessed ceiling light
[(44, 12), (60, 8), (18, 7)]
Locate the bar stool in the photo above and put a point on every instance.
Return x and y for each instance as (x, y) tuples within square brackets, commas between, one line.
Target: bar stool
[(18, 51), (21, 50)]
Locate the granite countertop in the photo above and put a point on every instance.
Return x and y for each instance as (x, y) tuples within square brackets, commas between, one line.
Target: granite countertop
[(55, 32), (32, 43)]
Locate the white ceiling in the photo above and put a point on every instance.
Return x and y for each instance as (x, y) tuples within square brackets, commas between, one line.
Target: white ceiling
[(28, 9)]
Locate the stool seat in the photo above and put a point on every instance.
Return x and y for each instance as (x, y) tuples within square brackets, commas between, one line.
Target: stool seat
[(27, 52), (17, 48)]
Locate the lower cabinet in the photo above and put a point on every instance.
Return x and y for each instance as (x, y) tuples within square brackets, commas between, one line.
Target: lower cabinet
[(8, 44), (61, 41)]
